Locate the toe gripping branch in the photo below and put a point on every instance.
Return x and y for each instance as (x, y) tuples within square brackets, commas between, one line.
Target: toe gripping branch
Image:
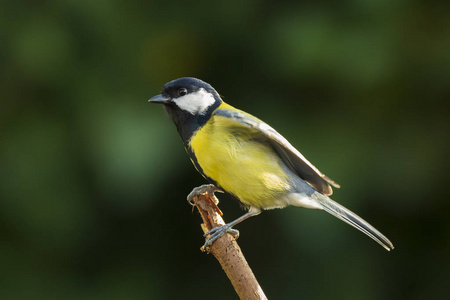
[(213, 225)]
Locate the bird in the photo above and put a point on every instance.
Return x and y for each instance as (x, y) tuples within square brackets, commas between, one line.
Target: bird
[(246, 158)]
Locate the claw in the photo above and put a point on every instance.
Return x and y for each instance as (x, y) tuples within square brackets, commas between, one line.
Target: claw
[(209, 189), (217, 232)]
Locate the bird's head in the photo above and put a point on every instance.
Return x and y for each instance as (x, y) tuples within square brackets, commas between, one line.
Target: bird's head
[(189, 102), (188, 95)]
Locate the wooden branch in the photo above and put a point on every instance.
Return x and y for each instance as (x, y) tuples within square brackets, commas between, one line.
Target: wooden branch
[(226, 250)]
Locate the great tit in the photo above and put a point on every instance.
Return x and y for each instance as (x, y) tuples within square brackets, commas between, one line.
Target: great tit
[(246, 158)]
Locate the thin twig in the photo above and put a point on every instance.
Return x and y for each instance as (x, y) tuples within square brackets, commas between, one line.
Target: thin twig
[(226, 250)]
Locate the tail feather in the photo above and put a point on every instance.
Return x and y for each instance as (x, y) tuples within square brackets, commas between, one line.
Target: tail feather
[(353, 219)]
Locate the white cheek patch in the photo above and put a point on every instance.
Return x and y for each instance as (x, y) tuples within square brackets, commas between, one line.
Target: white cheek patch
[(195, 103)]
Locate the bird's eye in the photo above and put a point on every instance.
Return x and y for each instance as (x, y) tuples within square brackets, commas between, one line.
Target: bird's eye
[(182, 92)]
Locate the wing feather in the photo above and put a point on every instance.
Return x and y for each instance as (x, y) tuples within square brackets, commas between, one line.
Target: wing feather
[(290, 156)]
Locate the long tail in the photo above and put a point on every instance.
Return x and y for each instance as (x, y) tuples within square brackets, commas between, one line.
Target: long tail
[(353, 219)]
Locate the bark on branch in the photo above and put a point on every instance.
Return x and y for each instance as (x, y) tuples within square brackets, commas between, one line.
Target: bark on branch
[(227, 251)]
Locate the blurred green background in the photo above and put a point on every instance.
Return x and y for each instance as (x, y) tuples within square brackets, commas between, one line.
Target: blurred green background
[(93, 179)]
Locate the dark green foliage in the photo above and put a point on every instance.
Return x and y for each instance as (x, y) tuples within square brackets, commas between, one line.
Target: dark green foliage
[(93, 179)]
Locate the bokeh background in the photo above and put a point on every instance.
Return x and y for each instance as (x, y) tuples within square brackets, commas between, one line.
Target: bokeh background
[(93, 179)]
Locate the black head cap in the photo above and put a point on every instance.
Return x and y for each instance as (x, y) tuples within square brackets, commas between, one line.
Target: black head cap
[(191, 84)]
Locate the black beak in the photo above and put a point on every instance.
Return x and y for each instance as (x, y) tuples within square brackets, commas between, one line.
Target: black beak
[(159, 99)]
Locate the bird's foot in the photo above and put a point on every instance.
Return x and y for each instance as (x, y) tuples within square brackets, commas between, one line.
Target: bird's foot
[(217, 232), (209, 189)]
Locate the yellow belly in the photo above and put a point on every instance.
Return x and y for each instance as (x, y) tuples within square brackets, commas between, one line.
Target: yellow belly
[(242, 166)]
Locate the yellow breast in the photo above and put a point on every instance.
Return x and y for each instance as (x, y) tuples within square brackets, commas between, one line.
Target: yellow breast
[(245, 167)]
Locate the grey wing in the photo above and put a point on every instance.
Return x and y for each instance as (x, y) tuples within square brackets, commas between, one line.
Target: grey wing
[(290, 156)]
